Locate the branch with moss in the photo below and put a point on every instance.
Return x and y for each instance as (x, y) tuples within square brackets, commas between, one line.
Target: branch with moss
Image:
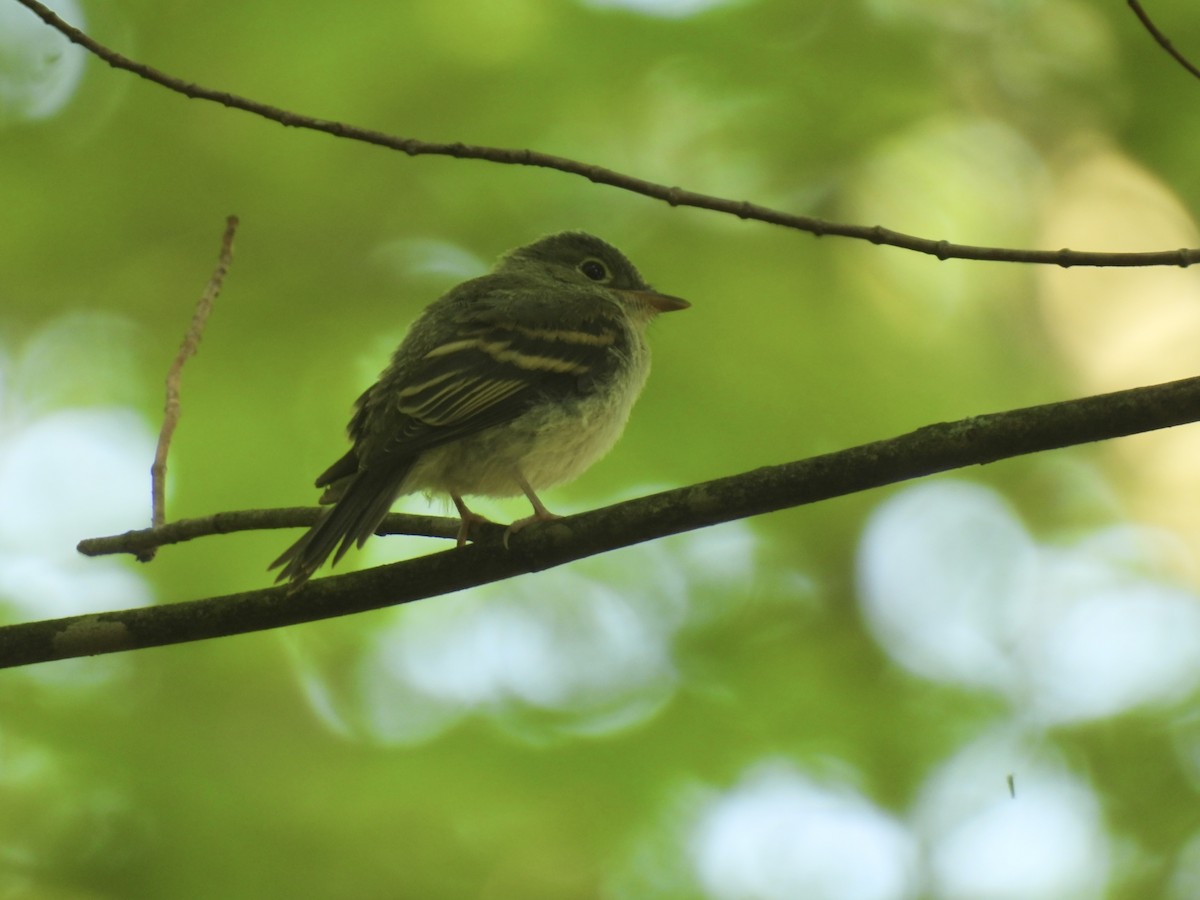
[(935, 448), (675, 196)]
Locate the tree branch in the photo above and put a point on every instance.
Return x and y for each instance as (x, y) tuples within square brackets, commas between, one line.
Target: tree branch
[(934, 448), (675, 196), (143, 540), (1162, 39)]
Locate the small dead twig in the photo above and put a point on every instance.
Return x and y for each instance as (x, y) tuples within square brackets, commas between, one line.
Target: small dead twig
[(171, 412)]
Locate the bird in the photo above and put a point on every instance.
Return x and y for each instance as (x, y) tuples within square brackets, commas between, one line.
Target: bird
[(508, 384)]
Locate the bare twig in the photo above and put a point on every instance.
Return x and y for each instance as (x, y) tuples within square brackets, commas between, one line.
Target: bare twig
[(935, 448), (675, 196), (146, 540), (171, 412), (1163, 40)]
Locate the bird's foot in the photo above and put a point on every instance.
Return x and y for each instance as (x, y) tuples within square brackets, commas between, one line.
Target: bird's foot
[(542, 515), (468, 519)]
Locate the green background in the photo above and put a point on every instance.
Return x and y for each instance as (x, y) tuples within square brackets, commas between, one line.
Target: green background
[(590, 731)]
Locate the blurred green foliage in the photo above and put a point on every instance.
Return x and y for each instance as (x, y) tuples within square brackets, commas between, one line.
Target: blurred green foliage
[(308, 764)]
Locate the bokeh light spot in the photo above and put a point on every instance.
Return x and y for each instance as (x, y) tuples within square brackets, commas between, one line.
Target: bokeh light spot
[(39, 68)]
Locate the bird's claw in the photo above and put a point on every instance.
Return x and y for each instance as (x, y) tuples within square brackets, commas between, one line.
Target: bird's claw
[(543, 516), (464, 529)]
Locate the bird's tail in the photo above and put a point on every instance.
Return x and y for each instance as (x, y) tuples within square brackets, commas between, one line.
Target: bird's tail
[(360, 507)]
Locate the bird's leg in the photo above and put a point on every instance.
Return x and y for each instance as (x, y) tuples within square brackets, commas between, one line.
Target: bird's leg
[(468, 519), (540, 513)]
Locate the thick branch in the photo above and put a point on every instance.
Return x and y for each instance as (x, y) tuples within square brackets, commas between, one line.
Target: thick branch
[(675, 196), (935, 448)]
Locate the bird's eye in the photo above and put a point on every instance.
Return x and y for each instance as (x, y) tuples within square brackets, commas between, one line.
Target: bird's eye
[(594, 269)]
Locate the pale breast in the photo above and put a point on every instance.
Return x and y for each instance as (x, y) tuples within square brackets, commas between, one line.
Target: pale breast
[(550, 444)]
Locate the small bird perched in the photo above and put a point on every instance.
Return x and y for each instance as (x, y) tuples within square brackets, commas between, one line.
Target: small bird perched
[(507, 384)]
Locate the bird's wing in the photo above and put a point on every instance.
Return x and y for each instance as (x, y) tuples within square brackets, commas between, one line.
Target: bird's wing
[(484, 375)]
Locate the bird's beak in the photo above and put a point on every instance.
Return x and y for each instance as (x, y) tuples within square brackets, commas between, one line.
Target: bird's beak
[(660, 302)]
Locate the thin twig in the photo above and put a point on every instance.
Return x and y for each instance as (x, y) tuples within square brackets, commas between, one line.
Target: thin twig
[(146, 540), (935, 448), (187, 349), (1163, 40), (675, 196)]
